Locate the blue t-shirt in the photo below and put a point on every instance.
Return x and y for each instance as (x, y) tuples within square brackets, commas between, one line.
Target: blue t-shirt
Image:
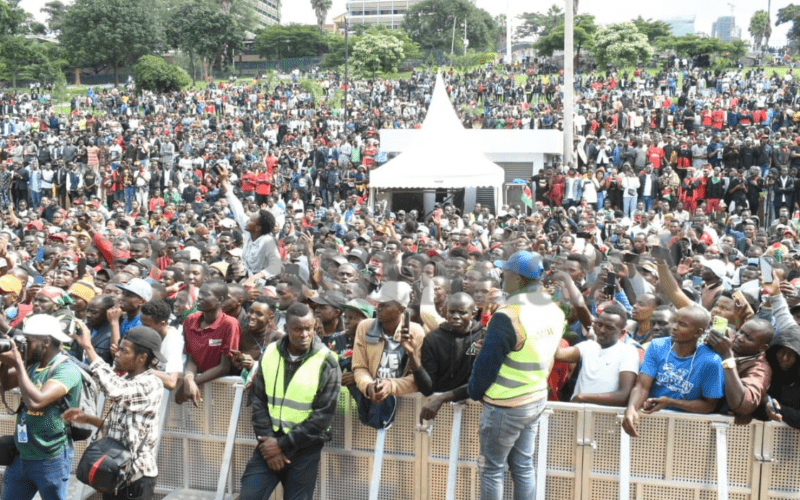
[(686, 378)]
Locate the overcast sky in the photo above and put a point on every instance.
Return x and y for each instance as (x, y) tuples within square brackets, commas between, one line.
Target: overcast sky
[(605, 11)]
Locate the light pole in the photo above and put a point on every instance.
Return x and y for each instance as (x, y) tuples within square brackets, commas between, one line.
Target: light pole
[(346, 67), (568, 81)]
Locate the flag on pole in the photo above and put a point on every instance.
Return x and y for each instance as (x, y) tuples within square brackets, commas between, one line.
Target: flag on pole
[(527, 197)]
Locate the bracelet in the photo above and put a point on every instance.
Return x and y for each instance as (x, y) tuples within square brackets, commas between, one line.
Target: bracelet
[(729, 363)]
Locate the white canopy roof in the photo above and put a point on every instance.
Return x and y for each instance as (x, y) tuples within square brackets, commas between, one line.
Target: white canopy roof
[(441, 155)]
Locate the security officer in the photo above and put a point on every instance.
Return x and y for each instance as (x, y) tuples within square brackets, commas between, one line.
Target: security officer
[(295, 392), (510, 376)]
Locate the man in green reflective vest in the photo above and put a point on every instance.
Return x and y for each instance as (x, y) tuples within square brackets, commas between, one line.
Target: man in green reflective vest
[(510, 377), (295, 391)]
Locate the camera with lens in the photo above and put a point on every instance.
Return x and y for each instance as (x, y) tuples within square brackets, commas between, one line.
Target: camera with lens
[(22, 344)]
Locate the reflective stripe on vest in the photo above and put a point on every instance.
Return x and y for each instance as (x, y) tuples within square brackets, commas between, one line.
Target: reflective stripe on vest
[(293, 406), (522, 371)]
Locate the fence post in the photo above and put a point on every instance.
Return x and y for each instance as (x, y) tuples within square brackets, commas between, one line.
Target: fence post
[(624, 461), (722, 459), (229, 441), (541, 463), (377, 465), (455, 438)]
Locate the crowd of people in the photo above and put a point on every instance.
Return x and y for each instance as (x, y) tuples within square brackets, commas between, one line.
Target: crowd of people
[(188, 236)]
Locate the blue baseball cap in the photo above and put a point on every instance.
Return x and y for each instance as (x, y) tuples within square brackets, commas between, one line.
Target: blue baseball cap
[(526, 264)]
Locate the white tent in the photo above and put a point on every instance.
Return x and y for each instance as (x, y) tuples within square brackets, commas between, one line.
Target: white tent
[(440, 157)]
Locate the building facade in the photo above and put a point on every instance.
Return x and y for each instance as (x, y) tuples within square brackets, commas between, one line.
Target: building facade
[(679, 26), (266, 13), (389, 13), (725, 29)]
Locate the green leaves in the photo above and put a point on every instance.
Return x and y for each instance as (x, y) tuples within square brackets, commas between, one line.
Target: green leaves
[(294, 40), (584, 29), (153, 73), (375, 54), (430, 24), (110, 32), (621, 44)]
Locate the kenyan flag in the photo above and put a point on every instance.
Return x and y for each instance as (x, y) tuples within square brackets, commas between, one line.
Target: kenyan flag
[(527, 197)]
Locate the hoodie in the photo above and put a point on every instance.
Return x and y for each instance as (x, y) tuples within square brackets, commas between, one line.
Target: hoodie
[(785, 386), (447, 358)]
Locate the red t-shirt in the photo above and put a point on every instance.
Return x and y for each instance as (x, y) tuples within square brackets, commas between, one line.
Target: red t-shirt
[(207, 345), (248, 182)]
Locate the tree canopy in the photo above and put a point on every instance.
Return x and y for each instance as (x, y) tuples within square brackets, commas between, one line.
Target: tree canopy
[(584, 29), (621, 44), (536, 24), (759, 28), (430, 24), (651, 29), (375, 54), (110, 32), (790, 14), (294, 40)]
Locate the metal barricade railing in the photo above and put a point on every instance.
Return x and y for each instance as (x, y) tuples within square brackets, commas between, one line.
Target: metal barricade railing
[(587, 455)]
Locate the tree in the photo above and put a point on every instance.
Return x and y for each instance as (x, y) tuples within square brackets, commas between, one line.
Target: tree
[(335, 56), (12, 20), (155, 74), (430, 24), (222, 31), (759, 28), (110, 32), (375, 54), (652, 29), (790, 14), (294, 40), (321, 8), (584, 29), (691, 45), (621, 44), (535, 24)]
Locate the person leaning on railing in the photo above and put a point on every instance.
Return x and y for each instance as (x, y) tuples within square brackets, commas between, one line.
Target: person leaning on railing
[(677, 374)]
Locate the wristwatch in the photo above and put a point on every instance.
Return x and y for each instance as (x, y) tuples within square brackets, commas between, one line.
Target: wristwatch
[(729, 363)]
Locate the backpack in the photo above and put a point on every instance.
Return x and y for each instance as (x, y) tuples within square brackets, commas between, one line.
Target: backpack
[(87, 400)]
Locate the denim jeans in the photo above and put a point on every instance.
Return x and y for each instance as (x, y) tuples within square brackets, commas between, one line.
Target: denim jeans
[(648, 202), (298, 478), (508, 435), (23, 478), (629, 206)]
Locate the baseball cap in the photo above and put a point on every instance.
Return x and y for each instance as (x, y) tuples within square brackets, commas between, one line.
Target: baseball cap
[(361, 306), (330, 298), (717, 267), (148, 338), (44, 325), (138, 286), (526, 264), (393, 291)]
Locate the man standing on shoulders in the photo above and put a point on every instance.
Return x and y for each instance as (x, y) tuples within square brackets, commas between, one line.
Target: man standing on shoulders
[(510, 377), (295, 391)]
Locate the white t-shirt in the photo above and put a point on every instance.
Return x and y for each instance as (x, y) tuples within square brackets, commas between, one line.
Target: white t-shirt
[(600, 368), (172, 349)]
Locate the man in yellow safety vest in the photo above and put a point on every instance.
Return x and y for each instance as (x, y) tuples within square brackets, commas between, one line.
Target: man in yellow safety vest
[(295, 392), (510, 377)]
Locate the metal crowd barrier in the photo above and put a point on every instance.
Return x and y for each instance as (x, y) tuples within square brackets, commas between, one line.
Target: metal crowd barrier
[(582, 454)]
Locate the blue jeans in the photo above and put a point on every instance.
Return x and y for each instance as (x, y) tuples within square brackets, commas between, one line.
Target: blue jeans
[(36, 198), (298, 478), (508, 435), (23, 478), (129, 193), (648, 202), (629, 206)]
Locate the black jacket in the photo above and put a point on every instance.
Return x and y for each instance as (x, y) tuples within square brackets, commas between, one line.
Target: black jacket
[(447, 358), (785, 385), (313, 432)]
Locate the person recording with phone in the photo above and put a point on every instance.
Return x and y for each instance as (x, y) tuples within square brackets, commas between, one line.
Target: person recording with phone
[(382, 366)]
